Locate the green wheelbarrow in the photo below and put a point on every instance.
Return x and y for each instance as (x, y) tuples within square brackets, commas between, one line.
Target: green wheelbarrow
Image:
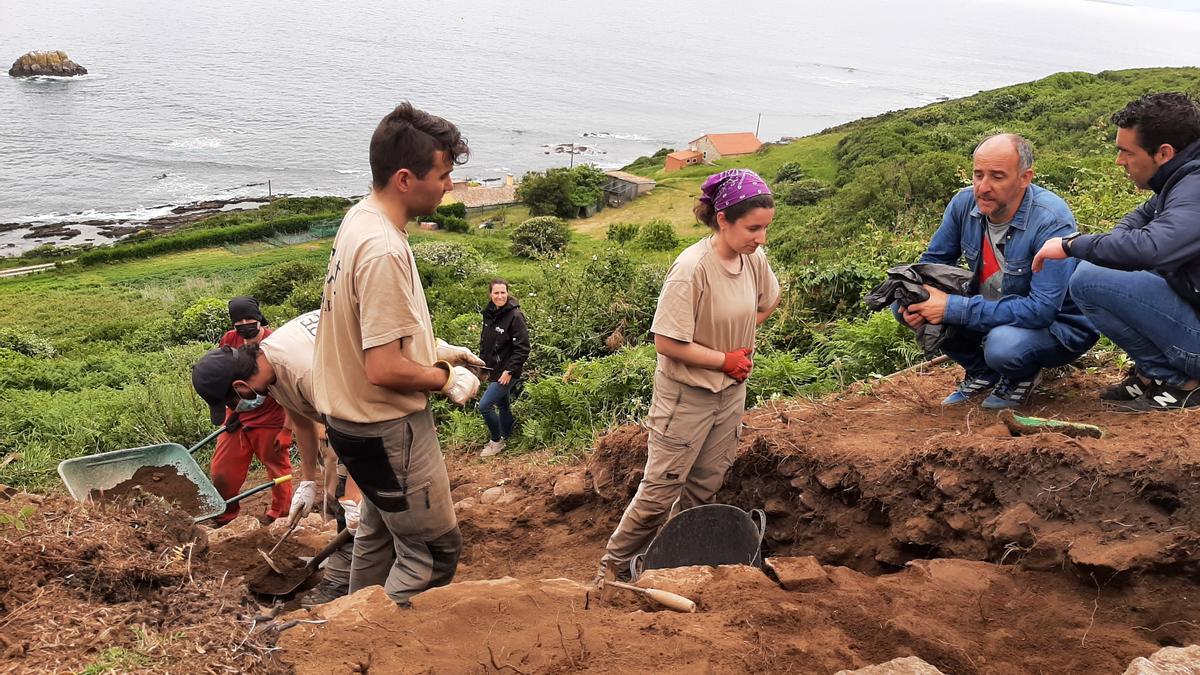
[(103, 471)]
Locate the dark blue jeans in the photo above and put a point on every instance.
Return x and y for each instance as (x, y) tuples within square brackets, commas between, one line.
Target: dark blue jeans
[(1015, 353), (1141, 314), (494, 405)]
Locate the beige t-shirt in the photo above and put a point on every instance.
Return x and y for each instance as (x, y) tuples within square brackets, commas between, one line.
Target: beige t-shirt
[(290, 353), (705, 303), (372, 296)]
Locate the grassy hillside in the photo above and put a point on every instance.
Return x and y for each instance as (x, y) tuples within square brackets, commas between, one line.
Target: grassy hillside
[(96, 357)]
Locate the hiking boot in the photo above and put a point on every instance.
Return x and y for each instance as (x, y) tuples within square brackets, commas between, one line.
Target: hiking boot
[(322, 593), (970, 387), (492, 448), (1162, 396), (1128, 389), (1010, 394)]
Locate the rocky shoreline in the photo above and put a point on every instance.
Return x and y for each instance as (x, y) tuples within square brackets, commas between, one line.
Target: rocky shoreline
[(16, 238)]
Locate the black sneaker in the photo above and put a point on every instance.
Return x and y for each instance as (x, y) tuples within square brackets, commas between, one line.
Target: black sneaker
[(1162, 396), (1011, 393), (1128, 389)]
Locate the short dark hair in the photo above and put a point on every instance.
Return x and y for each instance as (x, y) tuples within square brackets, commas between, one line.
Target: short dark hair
[(706, 214), (407, 138), (495, 281), (247, 364), (1170, 118)]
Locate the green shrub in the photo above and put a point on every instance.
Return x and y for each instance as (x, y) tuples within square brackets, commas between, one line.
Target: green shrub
[(591, 395), (621, 232), (461, 260), (589, 310), (273, 285), (26, 342), (805, 191), (454, 224), (206, 320), (658, 235), (455, 209), (200, 237), (561, 192), (790, 172), (306, 296), (540, 237)]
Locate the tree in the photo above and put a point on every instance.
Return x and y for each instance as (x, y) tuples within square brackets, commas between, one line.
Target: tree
[(561, 192)]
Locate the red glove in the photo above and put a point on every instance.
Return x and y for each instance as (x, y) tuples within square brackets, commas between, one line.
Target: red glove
[(738, 364)]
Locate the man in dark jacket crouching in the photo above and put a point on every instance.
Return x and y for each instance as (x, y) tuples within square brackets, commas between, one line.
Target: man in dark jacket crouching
[(1140, 283)]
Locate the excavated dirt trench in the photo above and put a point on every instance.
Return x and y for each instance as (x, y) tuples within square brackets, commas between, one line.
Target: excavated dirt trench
[(1050, 553), (938, 535)]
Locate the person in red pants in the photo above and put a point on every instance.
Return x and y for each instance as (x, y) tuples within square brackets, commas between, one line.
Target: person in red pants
[(255, 428)]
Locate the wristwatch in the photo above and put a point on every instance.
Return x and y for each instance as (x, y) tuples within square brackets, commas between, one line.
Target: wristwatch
[(1066, 242)]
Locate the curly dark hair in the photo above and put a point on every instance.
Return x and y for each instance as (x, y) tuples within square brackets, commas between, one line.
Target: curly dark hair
[(407, 138), (1170, 118)]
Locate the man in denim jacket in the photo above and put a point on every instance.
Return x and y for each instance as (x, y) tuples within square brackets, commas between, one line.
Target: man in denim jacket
[(1140, 283), (1012, 323)]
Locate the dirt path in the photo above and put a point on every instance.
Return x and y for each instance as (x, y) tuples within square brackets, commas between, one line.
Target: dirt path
[(933, 533)]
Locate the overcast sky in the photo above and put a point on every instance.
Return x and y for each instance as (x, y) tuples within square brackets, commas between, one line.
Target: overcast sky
[(1184, 5)]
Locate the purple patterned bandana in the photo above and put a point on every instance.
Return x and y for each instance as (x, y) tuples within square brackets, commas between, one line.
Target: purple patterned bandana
[(727, 188)]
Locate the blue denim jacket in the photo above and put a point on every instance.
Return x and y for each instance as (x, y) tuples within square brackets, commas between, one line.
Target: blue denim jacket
[(1027, 300)]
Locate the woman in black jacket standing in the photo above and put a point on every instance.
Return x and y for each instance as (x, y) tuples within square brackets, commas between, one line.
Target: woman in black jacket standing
[(503, 346)]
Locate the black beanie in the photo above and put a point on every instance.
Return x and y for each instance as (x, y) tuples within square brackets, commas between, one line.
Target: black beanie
[(245, 307)]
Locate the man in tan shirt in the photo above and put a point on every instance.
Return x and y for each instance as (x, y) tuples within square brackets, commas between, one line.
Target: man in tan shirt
[(376, 361)]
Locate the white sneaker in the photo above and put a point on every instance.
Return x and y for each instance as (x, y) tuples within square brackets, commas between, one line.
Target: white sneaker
[(492, 448)]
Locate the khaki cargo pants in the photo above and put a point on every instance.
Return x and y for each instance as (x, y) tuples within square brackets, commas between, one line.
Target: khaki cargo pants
[(693, 440), (407, 539)]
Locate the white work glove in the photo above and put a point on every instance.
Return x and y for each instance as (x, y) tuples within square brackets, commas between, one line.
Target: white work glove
[(455, 355), (350, 513), (303, 498), (461, 385)]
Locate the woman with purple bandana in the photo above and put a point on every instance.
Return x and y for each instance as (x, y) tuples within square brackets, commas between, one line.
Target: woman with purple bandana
[(716, 294)]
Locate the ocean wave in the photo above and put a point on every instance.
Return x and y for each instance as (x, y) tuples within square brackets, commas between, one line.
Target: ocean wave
[(349, 171), (64, 78), (619, 137), (198, 143), (232, 130)]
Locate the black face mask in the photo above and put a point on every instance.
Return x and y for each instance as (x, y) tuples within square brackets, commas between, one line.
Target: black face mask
[(247, 330)]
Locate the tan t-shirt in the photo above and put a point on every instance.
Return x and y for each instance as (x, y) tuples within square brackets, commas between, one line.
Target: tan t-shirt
[(372, 296), (290, 353), (705, 303)]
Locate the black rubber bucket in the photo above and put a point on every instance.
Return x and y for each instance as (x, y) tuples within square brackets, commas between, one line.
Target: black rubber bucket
[(713, 534)]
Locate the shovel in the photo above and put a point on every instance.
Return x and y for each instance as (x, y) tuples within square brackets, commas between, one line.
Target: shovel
[(280, 584), (267, 554)]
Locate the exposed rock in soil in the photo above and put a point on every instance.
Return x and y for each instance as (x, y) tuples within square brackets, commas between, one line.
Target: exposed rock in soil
[(909, 665), (1168, 661)]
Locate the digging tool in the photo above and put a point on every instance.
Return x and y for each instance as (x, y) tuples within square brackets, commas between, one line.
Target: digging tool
[(1021, 425), (295, 520), (240, 496), (672, 601), (287, 584)]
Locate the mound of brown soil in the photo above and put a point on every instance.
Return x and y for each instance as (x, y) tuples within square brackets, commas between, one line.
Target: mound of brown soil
[(162, 481), (121, 585), (963, 617)]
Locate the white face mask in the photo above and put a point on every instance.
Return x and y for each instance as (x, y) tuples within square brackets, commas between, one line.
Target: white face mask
[(250, 404)]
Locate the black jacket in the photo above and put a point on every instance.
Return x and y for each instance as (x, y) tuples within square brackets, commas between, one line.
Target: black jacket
[(504, 343), (1162, 235)]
